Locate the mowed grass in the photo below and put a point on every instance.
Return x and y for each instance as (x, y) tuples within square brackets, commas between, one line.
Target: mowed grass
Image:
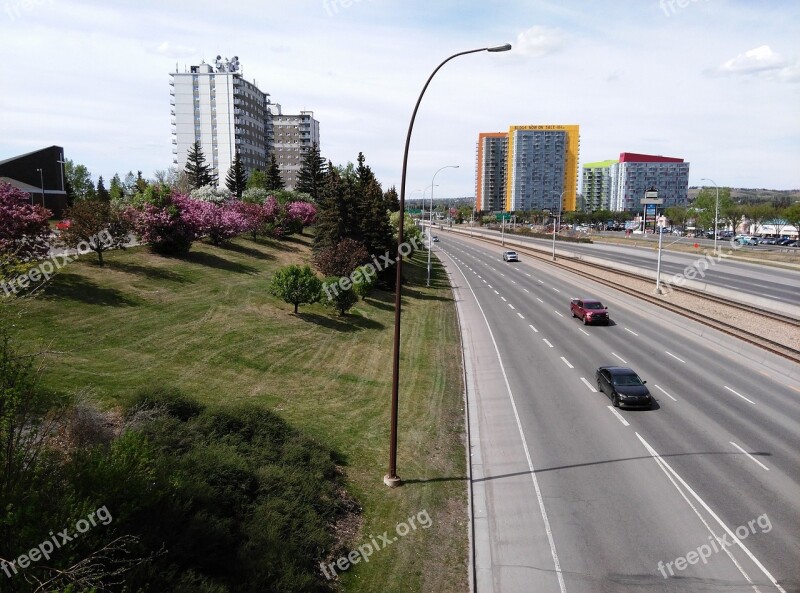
[(206, 323)]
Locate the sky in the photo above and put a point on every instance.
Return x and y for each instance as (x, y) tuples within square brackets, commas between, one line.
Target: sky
[(715, 82)]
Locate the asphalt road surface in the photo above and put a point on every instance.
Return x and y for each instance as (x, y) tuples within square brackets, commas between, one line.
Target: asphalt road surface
[(700, 493), (779, 284)]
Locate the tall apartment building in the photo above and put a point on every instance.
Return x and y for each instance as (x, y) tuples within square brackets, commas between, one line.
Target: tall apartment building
[(541, 164), (490, 176), (596, 186), (216, 106), (635, 173), (293, 136)]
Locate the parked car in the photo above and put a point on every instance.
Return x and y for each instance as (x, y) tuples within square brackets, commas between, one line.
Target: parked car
[(589, 311), (783, 241), (792, 244), (767, 241), (510, 256), (624, 387), (746, 240)]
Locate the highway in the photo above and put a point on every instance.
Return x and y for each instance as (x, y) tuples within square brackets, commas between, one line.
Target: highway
[(779, 284), (571, 494)]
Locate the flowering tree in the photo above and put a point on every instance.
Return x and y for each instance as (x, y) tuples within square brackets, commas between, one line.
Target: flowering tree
[(341, 259), (24, 231), (209, 193), (222, 222), (100, 225), (171, 222), (302, 212)]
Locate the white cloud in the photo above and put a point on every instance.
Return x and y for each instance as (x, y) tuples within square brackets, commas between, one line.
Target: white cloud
[(172, 50), (761, 61), (538, 41)]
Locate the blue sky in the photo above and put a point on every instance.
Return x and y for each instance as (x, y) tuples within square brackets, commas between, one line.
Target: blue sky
[(713, 81)]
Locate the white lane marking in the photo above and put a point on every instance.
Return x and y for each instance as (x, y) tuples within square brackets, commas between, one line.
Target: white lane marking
[(618, 356), (547, 342), (665, 393), (583, 330), (589, 385), (484, 281), (667, 469), (536, 331), (559, 314), (526, 290), (618, 415), (479, 276), (748, 454), (501, 273), (521, 316), (490, 286), (528, 275), (504, 299), (631, 331), (540, 300), (539, 497), (566, 362), (556, 290), (512, 282), (675, 357), (510, 305), (539, 281), (495, 291), (740, 395)]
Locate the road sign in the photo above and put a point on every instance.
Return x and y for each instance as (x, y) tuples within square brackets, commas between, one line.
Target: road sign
[(503, 215), (645, 201)]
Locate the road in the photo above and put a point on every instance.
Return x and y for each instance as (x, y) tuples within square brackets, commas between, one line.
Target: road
[(571, 494), (779, 284)]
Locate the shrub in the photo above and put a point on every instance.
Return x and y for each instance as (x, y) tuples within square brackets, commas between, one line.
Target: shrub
[(365, 279), (171, 224), (342, 300), (100, 225)]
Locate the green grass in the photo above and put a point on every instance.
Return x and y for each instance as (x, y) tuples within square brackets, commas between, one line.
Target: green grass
[(207, 324)]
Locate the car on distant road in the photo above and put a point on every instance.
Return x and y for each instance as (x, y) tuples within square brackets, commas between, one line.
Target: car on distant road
[(510, 256), (63, 225), (435, 239), (625, 388), (589, 311)]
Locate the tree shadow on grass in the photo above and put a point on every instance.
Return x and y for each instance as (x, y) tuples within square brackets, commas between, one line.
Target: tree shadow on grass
[(276, 244), (147, 272), (78, 288), (243, 249), (348, 323), (214, 261)]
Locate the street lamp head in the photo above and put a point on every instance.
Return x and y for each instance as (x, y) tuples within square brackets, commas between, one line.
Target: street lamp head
[(497, 48)]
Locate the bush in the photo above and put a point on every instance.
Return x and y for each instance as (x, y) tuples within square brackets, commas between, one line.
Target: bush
[(170, 223), (342, 300), (365, 279)]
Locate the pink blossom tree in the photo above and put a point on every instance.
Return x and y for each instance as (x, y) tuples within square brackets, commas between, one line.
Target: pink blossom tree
[(170, 222), (24, 232)]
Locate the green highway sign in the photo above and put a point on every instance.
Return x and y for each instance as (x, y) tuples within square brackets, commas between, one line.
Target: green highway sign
[(502, 215)]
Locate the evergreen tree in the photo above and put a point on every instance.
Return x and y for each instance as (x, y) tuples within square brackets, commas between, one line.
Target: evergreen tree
[(312, 173), (141, 182), (198, 172), (392, 199), (116, 191), (274, 180), (236, 179), (102, 193)]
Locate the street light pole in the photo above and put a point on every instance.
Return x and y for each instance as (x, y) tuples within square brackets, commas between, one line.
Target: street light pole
[(560, 209), (392, 479), (716, 212), (430, 226), (41, 182)]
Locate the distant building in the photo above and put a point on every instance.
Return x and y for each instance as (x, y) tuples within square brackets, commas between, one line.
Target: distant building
[(635, 173), (490, 176), (41, 174), (294, 135), (541, 166), (216, 106), (596, 186)]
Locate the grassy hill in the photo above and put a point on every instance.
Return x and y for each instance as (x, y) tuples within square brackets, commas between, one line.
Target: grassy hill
[(206, 323)]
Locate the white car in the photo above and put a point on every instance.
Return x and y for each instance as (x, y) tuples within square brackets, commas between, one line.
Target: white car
[(510, 256), (745, 240)]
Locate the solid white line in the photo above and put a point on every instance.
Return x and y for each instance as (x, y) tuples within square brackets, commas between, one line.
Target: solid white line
[(740, 395), (630, 330), (566, 362), (536, 331), (532, 469), (510, 305), (618, 356), (665, 393), (559, 314), (521, 316), (675, 357), (583, 330), (748, 454), (589, 385), (664, 467), (540, 300), (618, 415), (546, 342)]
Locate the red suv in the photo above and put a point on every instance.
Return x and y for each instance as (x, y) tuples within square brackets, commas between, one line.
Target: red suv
[(589, 310)]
